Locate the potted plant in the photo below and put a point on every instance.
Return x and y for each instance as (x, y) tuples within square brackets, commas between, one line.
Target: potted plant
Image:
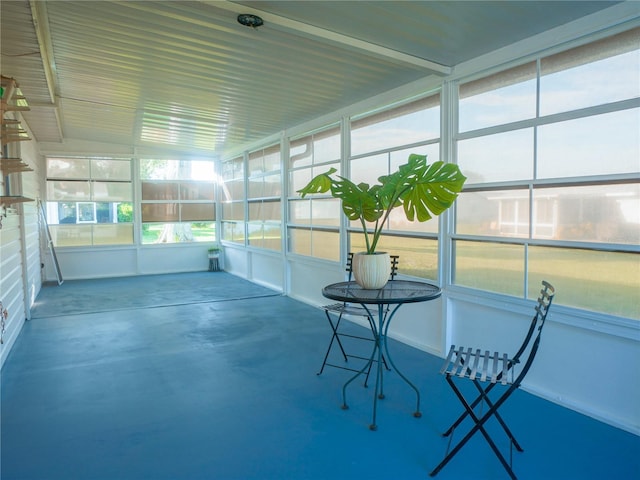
[(422, 190)]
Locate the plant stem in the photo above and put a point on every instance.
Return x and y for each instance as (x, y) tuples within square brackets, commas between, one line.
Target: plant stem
[(366, 234)]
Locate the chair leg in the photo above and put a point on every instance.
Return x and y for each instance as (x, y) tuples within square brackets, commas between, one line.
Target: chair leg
[(334, 337), (478, 426), (484, 396)]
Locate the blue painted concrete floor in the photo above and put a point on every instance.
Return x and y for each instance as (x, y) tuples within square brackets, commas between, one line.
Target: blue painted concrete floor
[(207, 376)]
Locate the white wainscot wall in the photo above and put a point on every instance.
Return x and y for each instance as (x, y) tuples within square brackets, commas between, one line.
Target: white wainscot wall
[(103, 262), (592, 372), (308, 276)]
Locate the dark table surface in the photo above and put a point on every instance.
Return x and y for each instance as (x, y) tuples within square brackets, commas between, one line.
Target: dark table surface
[(395, 291)]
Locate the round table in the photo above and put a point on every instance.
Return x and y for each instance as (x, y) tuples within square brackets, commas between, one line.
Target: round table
[(395, 293)]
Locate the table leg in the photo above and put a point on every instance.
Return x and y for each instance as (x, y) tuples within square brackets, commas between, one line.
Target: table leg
[(384, 346), (379, 390), (380, 349)]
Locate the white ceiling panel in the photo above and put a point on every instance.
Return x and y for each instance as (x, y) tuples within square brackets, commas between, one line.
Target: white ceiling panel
[(187, 75)]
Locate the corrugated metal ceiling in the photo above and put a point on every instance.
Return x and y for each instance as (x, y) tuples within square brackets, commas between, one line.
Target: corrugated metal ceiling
[(186, 75)]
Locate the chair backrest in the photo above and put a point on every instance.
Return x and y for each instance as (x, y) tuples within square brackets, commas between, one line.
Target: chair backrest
[(542, 309), (394, 265)]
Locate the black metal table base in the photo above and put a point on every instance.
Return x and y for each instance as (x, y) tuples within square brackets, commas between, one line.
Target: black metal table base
[(377, 355)]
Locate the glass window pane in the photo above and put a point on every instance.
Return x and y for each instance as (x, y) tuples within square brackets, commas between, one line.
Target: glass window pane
[(606, 282), (325, 245), (255, 211), (273, 185), (503, 213), (160, 212), (298, 179), (255, 187), (300, 152), (106, 212), (272, 210), (203, 231), (496, 158), (598, 145), (272, 159), (154, 169), (501, 98), (418, 256), (326, 211), (604, 213), (70, 235), (255, 234), (272, 237), (398, 221), (233, 211), (197, 191), (255, 164), (61, 212), (412, 123), (602, 72), (233, 232), (299, 241), (110, 191), (167, 233), (197, 212), (489, 266), (124, 212), (233, 169), (71, 168), (68, 190), (300, 212), (109, 169), (120, 234), (233, 190), (400, 157), (326, 145), (160, 190), (369, 169)]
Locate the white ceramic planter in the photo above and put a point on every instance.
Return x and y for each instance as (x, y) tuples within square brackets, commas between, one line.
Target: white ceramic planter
[(371, 272)]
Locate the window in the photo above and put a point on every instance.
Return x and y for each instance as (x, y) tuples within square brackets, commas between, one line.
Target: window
[(551, 153), (314, 222), (89, 201), (380, 144), (177, 201), (264, 185), (232, 199)]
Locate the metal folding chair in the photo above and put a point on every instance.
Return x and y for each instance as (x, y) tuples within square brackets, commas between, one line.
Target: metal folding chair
[(487, 371), (341, 309)]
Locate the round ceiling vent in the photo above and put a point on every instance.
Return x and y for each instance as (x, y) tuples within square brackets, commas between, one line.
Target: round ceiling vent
[(249, 20)]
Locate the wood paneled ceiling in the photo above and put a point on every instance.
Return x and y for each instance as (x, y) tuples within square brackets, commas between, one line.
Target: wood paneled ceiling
[(186, 75)]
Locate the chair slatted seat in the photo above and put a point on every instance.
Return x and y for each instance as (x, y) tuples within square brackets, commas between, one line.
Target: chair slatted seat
[(339, 310), (487, 371), (464, 364)]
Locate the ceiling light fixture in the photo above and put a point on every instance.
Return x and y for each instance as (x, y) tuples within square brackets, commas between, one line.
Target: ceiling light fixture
[(249, 20)]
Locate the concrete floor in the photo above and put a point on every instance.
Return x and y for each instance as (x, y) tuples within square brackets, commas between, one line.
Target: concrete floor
[(207, 376)]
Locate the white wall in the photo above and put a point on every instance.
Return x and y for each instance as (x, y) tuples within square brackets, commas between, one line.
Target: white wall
[(101, 262), (579, 365), (20, 275)]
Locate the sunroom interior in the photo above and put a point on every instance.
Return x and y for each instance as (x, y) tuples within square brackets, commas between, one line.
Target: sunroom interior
[(147, 132)]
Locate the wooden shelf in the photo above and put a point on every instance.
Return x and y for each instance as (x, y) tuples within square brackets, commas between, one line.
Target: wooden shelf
[(12, 130), (11, 200), (13, 165)]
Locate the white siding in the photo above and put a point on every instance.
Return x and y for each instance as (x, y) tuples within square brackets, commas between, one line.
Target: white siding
[(20, 273)]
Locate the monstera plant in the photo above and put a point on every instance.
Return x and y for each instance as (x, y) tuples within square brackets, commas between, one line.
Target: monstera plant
[(422, 190)]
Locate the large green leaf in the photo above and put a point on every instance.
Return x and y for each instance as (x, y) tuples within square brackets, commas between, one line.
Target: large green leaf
[(422, 190), (434, 191)]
